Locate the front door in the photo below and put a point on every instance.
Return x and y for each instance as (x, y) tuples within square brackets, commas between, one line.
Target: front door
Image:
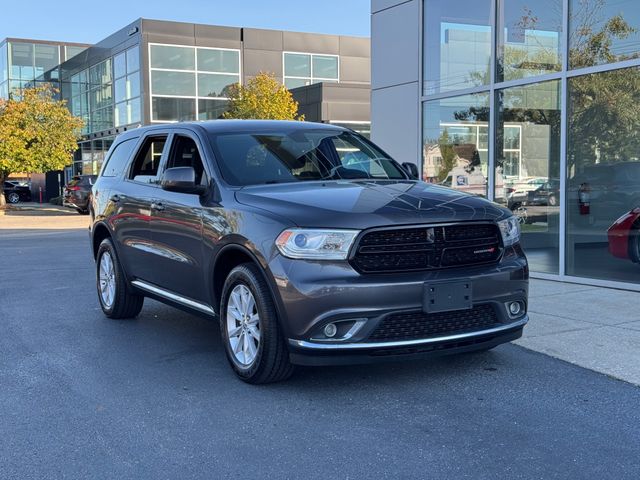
[(176, 227)]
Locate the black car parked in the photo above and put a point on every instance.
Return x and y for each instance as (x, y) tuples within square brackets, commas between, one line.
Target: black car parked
[(77, 193), (14, 193), (306, 242)]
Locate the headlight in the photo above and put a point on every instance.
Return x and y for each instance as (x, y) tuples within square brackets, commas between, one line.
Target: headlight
[(510, 230), (316, 244)]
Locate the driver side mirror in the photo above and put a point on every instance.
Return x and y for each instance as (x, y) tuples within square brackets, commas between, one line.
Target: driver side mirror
[(411, 169), (181, 179)]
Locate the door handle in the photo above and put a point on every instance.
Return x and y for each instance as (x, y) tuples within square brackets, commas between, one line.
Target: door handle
[(157, 206), (114, 198)]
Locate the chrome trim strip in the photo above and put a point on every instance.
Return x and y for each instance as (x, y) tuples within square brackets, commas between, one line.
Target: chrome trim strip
[(405, 343), (173, 296)]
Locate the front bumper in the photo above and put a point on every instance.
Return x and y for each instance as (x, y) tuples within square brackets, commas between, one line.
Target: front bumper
[(312, 294)]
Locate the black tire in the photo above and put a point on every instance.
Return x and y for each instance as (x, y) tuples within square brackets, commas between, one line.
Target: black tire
[(125, 304), (271, 363), (13, 198)]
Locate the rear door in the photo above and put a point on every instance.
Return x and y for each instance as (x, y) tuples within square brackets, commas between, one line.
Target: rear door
[(176, 225), (132, 199)]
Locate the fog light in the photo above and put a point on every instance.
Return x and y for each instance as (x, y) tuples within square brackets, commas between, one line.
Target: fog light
[(515, 308), (330, 330)]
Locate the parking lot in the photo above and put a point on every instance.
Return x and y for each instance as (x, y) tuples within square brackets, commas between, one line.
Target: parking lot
[(84, 396)]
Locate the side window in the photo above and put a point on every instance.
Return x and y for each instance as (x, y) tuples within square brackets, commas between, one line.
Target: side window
[(119, 158), (185, 153), (147, 161)]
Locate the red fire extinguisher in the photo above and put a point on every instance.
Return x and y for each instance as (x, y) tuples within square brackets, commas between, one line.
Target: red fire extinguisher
[(584, 199)]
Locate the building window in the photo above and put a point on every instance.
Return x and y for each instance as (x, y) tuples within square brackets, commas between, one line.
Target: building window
[(126, 66), (527, 167), (457, 44), (191, 82), (529, 39), (603, 31), (305, 69), (455, 142)]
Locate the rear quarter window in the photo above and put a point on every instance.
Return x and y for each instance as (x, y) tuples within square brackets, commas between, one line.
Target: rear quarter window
[(119, 158)]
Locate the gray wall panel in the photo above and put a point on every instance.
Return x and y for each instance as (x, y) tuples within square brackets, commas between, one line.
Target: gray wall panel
[(395, 45), (355, 69), (395, 119), (258, 39), (256, 61), (355, 47), (377, 5), (311, 43)]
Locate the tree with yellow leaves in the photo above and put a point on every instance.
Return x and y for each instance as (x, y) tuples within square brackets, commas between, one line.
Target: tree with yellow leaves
[(37, 134), (263, 97)]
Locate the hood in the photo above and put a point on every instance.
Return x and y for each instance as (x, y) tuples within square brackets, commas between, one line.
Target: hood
[(366, 204)]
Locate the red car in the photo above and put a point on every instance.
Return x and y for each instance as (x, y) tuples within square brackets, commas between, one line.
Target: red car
[(624, 236)]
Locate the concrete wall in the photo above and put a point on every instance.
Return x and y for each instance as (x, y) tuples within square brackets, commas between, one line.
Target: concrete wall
[(395, 77), (325, 102)]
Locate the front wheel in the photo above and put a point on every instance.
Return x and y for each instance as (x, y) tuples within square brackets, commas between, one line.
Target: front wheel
[(254, 344), (13, 198), (115, 299), (634, 243)]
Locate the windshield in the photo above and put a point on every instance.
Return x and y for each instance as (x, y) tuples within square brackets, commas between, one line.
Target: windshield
[(253, 158)]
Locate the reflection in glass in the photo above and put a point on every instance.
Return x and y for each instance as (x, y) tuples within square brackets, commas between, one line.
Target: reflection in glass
[(603, 168), (455, 152), (528, 167), (603, 31), (173, 83), (325, 67), (177, 58), (173, 109), (529, 41), (457, 44), (4, 72), (21, 61), (221, 61), (133, 59), (211, 109), (119, 65), (296, 82), (297, 65), (213, 85)]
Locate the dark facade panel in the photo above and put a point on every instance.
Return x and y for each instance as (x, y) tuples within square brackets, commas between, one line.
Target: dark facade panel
[(311, 43), (214, 36), (355, 69), (256, 61), (355, 46), (258, 39)]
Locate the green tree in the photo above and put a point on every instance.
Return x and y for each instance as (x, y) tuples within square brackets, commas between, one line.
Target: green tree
[(448, 154), (37, 134), (263, 97)]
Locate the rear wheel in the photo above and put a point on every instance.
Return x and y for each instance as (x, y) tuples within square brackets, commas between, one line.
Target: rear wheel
[(13, 197), (254, 344), (115, 298), (634, 243)]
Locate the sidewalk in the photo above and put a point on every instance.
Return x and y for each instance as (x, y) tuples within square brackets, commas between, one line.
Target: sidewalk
[(593, 327), (41, 216)]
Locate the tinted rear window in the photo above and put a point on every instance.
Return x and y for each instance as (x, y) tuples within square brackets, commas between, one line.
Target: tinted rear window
[(119, 158)]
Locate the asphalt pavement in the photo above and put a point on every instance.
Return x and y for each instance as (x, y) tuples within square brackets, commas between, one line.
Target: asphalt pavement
[(82, 396)]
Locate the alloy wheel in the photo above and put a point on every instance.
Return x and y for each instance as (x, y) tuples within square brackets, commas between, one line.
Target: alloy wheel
[(14, 198), (243, 325), (107, 280)]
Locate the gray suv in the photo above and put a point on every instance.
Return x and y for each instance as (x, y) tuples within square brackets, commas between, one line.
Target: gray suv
[(306, 242)]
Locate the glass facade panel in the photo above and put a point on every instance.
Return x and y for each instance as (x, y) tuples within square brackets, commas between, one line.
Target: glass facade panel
[(71, 51), (529, 40), (46, 57), (453, 151), (457, 44), (222, 61), (603, 175), (297, 65), (100, 74), (167, 109), (211, 109), (213, 85), (527, 173), (119, 65), (296, 82), (133, 59), (325, 67), (4, 65), (603, 31), (173, 83), (21, 61), (172, 57)]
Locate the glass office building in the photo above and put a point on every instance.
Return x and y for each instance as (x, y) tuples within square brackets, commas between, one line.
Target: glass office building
[(534, 105), (23, 62), (157, 72)]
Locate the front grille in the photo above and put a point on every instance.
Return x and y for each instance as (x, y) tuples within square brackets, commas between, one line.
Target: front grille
[(427, 248), (419, 325)]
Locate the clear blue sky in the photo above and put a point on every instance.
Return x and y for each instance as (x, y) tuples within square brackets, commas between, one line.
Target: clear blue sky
[(91, 21)]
